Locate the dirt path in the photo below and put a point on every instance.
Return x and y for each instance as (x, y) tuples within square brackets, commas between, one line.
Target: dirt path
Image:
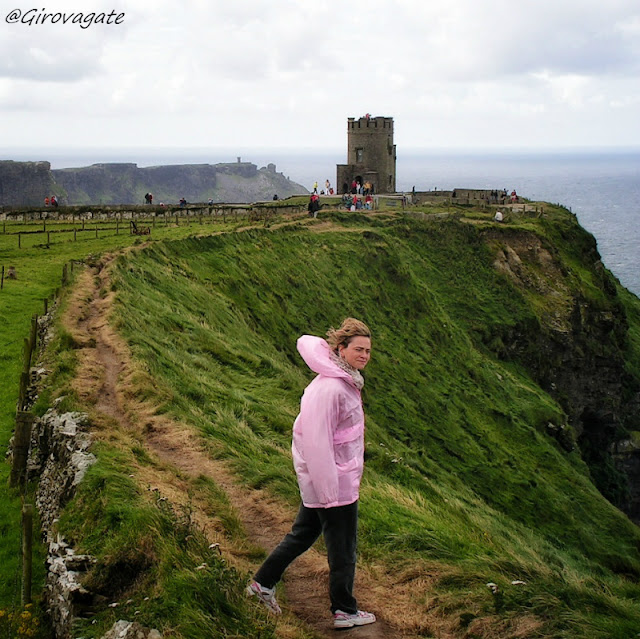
[(104, 370)]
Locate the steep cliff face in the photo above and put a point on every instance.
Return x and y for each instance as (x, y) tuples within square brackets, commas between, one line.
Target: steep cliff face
[(575, 349), (26, 183), (99, 183), (127, 183)]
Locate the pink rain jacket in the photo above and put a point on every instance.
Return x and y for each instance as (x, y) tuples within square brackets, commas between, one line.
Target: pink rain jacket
[(328, 434)]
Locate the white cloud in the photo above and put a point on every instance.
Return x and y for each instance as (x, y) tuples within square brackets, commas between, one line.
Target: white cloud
[(269, 74)]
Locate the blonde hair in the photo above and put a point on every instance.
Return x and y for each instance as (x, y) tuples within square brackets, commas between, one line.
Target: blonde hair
[(349, 329)]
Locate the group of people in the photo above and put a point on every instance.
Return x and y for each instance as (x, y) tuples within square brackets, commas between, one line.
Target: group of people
[(501, 196), (51, 201), (355, 203), (350, 202), (148, 199), (328, 189), (361, 189)]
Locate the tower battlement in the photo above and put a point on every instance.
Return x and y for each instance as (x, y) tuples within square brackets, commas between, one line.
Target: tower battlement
[(365, 122)]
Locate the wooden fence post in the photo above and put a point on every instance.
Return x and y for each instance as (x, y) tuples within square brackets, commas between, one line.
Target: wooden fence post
[(22, 392), (27, 552), (46, 305), (21, 441), (19, 239), (2, 280), (33, 337), (26, 355)]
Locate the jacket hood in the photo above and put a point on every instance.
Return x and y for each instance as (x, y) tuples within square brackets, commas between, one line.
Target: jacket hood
[(317, 355)]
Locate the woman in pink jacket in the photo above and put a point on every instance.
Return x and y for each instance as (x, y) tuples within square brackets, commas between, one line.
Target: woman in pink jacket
[(328, 456)]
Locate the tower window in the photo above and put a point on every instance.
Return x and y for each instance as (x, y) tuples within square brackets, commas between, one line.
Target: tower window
[(359, 155)]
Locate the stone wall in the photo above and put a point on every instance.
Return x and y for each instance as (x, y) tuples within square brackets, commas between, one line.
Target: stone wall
[(475, 197), (60, 458)]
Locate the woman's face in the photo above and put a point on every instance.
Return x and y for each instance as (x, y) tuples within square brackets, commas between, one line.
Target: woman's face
[(357, 353)]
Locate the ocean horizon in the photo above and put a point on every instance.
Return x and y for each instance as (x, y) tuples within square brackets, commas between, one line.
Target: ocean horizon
[(601, 186)]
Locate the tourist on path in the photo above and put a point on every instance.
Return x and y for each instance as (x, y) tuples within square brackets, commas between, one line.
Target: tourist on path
[(328, 457), (314, 206)]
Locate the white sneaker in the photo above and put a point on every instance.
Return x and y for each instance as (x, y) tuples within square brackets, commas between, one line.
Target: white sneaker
[(346, 620), (266, 595)]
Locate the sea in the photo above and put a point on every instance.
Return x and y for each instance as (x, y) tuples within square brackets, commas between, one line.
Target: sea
[(602, 187)]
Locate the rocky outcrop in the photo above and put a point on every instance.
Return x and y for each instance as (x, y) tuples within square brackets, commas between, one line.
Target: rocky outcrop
[(626, 456), (131, 630)]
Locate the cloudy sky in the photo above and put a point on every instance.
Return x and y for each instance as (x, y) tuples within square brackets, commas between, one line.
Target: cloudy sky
[(464, 74)]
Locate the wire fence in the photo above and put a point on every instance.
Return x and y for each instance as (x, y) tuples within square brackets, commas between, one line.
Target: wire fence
[(34, 228)]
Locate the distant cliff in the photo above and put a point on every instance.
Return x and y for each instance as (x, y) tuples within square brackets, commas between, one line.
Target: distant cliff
[(28, 183)]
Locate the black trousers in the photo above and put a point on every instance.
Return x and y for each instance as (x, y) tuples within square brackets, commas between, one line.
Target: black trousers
[(339, 526)]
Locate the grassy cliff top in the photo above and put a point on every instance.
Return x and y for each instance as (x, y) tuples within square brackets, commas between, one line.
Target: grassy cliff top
[(474, 472)]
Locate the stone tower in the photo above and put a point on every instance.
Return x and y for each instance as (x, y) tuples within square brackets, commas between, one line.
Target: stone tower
[(371, 155)]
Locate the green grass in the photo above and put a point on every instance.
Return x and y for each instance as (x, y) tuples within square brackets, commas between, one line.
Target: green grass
[(39, 268), (154, 561), (460, 470), (463, 479)]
